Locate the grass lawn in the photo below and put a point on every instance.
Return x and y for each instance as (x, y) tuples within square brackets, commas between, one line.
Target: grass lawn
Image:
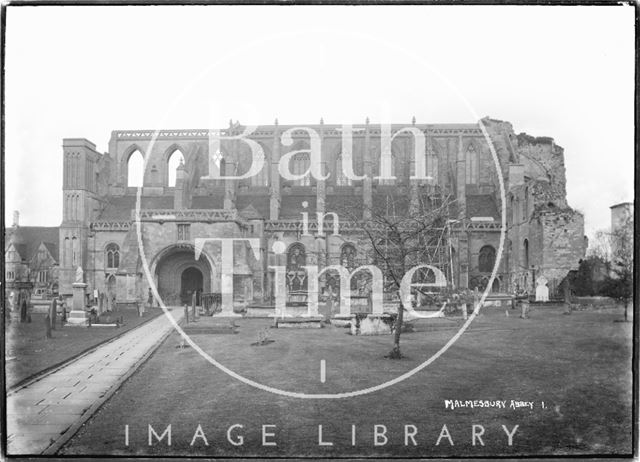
[(578, 365), (28, 351)]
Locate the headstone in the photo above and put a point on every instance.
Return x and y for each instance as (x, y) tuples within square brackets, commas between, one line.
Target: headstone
[(47, 325), (542, 291), (53, 308), (23, 311), (194, 299)]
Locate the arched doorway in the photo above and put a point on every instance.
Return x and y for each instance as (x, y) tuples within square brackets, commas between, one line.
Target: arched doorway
[(178, 274), (191, 281)]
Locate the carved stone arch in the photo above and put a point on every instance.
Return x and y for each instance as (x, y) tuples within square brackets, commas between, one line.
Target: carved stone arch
[(126, 154), (124, 161), (171, 149), (300, 162), (166, 158)]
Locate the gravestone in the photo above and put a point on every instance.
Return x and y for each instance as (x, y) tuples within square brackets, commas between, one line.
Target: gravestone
[(542, 291)]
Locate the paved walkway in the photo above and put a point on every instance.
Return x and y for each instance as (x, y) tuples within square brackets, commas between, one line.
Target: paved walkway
[(46, 413)]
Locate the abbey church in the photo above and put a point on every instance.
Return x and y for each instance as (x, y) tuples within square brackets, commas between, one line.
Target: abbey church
[(180, 200)]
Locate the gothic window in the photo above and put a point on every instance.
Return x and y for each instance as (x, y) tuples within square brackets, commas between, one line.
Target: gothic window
[(135, 169), (432, 167), (175, 159), (42, 276), (183, 232), (67, 251), (300, 166), (348, 256), (526, 253), (525, 204), (74, 250), (112, 255), (472, 165), (486, 259), (296, 274), (10, 275), (262, 177), (341, 178), (393, 171)]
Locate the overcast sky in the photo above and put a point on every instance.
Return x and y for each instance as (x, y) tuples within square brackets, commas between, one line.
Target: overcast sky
[(564, 72)]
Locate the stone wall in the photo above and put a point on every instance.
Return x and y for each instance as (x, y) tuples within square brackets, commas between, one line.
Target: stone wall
[(563, 243)]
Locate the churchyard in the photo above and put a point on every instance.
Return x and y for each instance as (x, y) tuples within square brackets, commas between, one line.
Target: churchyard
[(563, 379), (29, 352)]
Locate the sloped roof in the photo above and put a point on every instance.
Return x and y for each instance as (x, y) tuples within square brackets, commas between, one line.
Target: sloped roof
[(291, 206), (250, 213), (119, 208), (482, 205), (261, 204), (27, 239), (207, 202)]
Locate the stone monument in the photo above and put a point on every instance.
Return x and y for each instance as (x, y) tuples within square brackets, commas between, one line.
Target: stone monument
[(78, 315), (542, 291)]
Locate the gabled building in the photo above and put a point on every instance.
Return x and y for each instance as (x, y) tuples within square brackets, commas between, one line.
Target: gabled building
[(31, 255)]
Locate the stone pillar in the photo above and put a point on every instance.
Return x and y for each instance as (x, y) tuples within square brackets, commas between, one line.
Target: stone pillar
[(368, 174), (226, 282), (230, 184), (463, 258), (178, 191), (414, 185), (461, 181), (321, 184), (78, 316), (312, 290), (274, 203)]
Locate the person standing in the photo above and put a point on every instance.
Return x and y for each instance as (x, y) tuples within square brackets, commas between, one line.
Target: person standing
[(150, 299)]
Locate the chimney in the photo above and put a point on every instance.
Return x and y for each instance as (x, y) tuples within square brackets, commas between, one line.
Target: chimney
[(16, 218)]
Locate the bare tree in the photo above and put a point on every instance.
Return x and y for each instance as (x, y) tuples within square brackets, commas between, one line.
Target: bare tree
[(402, 231), (621, 287), (601, 245)]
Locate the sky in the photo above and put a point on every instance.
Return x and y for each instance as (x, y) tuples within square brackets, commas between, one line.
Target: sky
[(81, 72)]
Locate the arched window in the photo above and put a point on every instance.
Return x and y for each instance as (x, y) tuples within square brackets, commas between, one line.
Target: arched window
[(486, 259), (111, 286), (472, 165), (300, 164), (112, 255), (514, 211), (525, 248), (262, 177), (135, 169), (348, 256), (175, 159), (525, 204), (341, 178), (296, 274), (74, 250), (67, 251), (393, 171)]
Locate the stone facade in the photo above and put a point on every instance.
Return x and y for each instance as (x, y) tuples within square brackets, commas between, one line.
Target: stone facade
[(99, 230)]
